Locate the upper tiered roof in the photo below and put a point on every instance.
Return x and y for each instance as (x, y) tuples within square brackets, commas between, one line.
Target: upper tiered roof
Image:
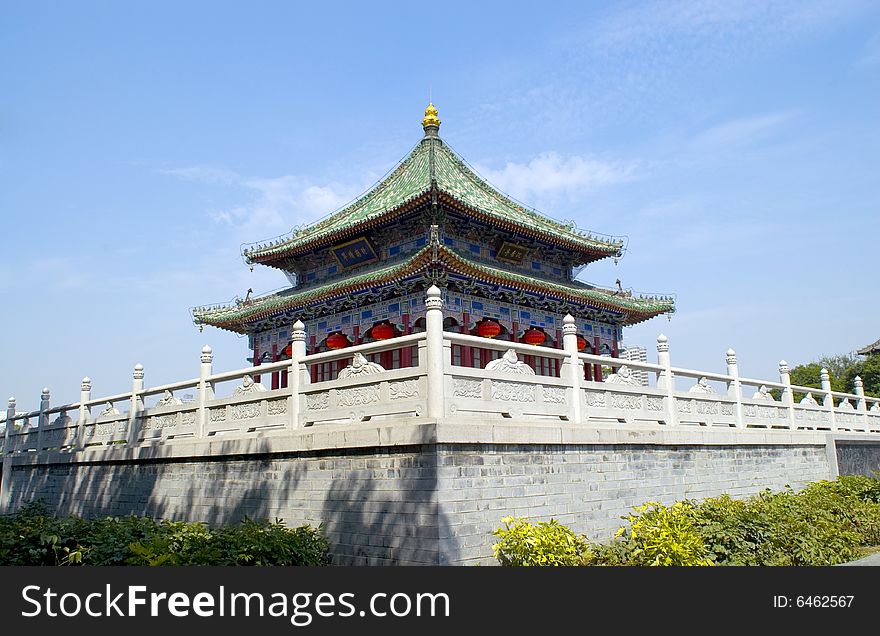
[(432, 167)]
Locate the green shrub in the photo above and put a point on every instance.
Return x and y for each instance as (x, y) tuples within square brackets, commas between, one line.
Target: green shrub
[(866, 489), (659, 535), (32, 536), (854, 502), (250, 543), (545, 543), (784, 528), (823, 524)]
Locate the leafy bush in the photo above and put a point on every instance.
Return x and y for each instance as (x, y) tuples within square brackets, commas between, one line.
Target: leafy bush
[(32, 536), (545, 543), (659, 535), (823, 524), (784, 528)]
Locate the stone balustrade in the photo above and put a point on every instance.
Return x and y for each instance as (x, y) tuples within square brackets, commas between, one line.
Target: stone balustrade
[(435, 388)]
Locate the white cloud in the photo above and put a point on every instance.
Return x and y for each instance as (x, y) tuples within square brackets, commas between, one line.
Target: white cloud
[(870, 57), (268, 202), (550, 175), (631, 60), (724, 23), (204, 174), (744, 131)]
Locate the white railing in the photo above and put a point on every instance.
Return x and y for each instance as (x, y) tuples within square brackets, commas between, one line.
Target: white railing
[(506, 389)]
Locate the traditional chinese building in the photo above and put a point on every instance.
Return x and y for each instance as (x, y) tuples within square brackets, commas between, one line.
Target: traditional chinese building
[(870, 350), (506, 272)]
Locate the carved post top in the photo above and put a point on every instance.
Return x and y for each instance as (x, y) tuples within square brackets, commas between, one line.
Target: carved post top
[(858, 382), (86, 384), (11, 403), (207, 354), (783, 367), (662, 344), (138, 373), (731, 357), (824, 376), (44, 394), (434, 301), (299, 331), (568, 326)]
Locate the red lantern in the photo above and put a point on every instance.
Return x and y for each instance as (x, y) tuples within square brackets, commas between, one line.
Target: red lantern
[(336, 341), (582, 343), (488, 329), (382, 331), (534, 336)]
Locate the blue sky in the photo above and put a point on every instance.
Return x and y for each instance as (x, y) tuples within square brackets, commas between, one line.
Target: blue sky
[(735, 144)]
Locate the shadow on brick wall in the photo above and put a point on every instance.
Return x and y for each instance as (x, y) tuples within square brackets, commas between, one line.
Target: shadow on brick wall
[(385, 510), (219, 489)]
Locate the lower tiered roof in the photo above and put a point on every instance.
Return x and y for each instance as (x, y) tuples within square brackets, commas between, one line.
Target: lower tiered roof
[(242, 317)]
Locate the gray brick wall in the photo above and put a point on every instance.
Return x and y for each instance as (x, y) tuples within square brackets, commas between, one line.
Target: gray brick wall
[(590, 488), (858, 459), (421, 504)]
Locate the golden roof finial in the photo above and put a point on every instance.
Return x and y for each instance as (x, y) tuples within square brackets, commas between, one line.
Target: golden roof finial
[(431, 118)]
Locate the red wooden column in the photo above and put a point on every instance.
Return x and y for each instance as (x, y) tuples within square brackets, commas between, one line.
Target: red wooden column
[(406, 355), (313, 348), (588, 368), (615, 352), (558, 346), (256, 356), (597, 368), (284, 372), (387, 358), (467, 351), (514, 331), (275, 359)]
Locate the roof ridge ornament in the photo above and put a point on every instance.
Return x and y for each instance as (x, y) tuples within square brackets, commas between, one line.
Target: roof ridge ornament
[(431, 122)]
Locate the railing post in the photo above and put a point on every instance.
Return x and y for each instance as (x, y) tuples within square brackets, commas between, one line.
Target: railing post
[(787, 395), (859, 390), (572, 369), (666, 380), (85, 411), (734, 388), (828, 400), (6, 477), (10, 424), (663, 360), (434, 350), (298, 375), (43, 419), (137, 403), (206, 389), (862, 405)]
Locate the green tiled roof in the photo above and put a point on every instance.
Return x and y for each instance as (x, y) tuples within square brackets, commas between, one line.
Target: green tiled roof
[(236, 317), (411, 182), (265, 306), (457, 180), (588, 294)]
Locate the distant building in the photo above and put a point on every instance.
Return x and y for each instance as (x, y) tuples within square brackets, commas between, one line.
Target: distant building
[(870, 350), (636, 354)]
